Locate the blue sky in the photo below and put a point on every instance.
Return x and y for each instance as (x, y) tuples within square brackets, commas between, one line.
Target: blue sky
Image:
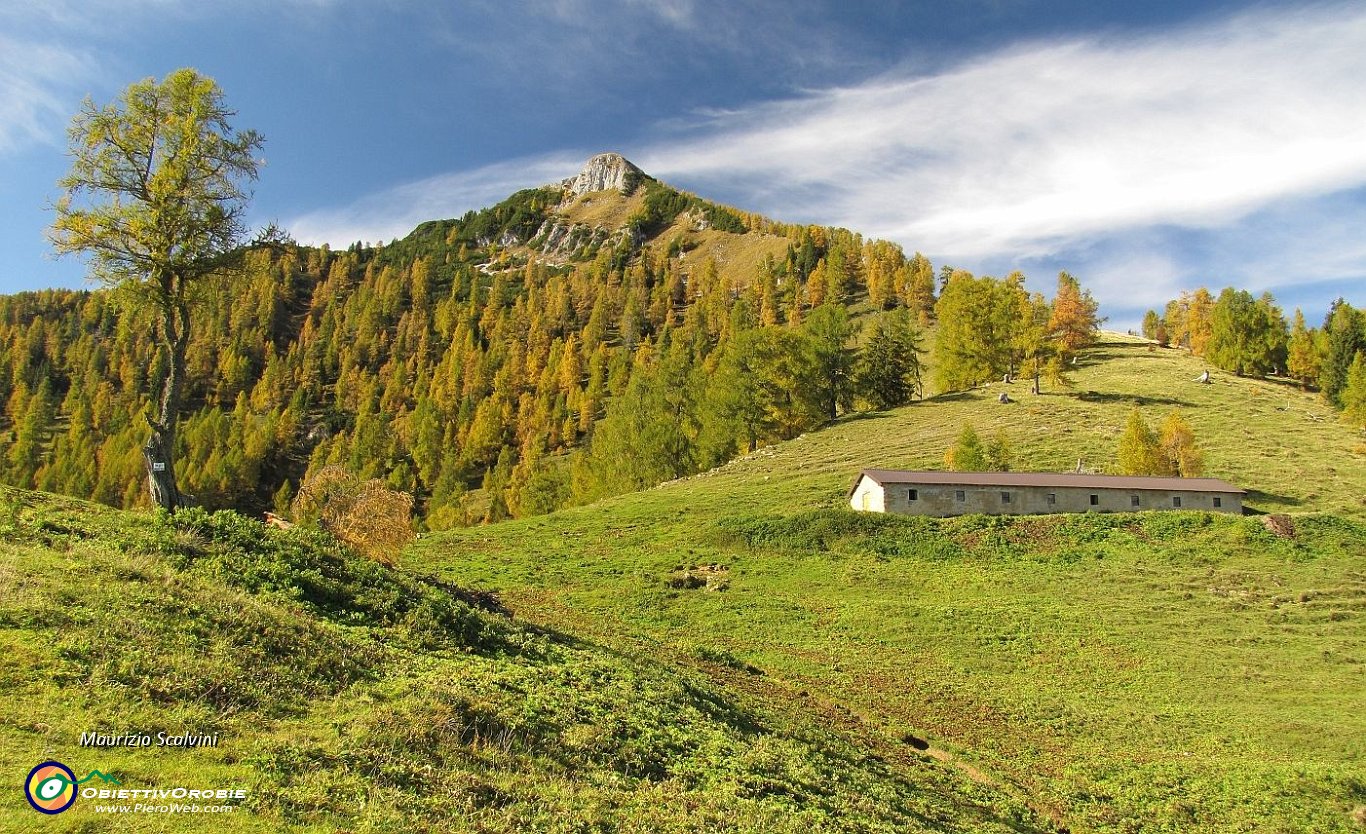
[(1145, 147)]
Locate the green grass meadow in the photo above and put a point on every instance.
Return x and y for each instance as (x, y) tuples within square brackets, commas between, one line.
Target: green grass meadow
[(351, 697), (1146, 672), (737, 651)]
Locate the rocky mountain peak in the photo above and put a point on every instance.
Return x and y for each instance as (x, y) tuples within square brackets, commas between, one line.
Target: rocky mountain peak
[(605, 172)]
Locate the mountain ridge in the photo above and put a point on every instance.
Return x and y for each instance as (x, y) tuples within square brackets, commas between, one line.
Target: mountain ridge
[(475, 356), (613, 204)]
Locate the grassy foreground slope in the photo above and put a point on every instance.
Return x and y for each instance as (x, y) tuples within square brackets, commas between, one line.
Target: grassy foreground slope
[(353, 697), (1127, 672)]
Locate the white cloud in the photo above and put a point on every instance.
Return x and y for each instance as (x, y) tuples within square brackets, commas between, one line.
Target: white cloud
[(680, 13), (592, 50), (394, 212), (1306, 251), (1022, 150), (34, 90), (592, 13)]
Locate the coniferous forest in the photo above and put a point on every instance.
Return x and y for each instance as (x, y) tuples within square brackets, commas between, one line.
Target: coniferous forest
[(457, 366)]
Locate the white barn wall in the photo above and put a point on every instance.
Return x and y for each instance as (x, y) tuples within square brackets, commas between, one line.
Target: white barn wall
[(868, 496)]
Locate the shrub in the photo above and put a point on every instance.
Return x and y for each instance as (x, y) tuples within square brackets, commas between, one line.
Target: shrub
[(316, 570)]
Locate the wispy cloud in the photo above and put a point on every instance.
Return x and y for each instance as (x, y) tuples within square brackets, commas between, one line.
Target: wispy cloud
[(595, 49), (1024, 149), (86, 17), (35, 80), (1306, 250), (101, 15)]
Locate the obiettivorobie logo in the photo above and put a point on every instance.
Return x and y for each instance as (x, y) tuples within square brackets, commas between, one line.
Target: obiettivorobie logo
[(51, 786)]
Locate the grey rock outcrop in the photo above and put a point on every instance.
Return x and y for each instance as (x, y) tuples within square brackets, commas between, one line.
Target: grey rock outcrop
[(560, 240), (605, 172)]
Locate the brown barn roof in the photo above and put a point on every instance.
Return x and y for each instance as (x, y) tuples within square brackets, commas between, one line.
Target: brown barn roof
[(1043, 479)]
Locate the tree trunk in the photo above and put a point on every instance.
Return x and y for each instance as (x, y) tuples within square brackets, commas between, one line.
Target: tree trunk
[(159, 451), (159, 458)]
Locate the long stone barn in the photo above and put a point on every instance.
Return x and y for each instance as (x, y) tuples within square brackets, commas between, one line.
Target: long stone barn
[(1016, 493)]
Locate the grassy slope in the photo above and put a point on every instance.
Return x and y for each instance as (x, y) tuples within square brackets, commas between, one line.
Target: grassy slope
[(352, 697), (736, 256), (604, 208), (1126, 672)]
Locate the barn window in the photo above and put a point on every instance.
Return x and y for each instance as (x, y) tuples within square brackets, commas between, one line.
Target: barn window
[(1052, 498), (1218, 502), (914, 495), (1095, 500), (1005, 498), (1176, 500), (1133, 500), (959, 495)]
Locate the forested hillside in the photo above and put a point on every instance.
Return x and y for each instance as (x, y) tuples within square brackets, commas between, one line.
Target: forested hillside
[(472, 354)]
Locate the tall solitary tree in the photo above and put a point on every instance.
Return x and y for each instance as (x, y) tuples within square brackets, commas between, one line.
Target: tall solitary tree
[(1304, 352), (1033, 344), (979, 326), (1346, 336), (155, 198), (1076, 316), (1247, 335), (1152, 326), (829, 330)]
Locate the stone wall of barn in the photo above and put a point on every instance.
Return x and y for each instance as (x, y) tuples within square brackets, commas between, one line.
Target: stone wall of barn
[(948, 499)]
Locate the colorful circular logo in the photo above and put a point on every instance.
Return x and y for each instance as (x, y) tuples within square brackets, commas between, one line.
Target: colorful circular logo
[(50, 787)]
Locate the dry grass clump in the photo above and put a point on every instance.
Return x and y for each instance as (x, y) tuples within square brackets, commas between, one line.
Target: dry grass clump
[(367, 515)]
